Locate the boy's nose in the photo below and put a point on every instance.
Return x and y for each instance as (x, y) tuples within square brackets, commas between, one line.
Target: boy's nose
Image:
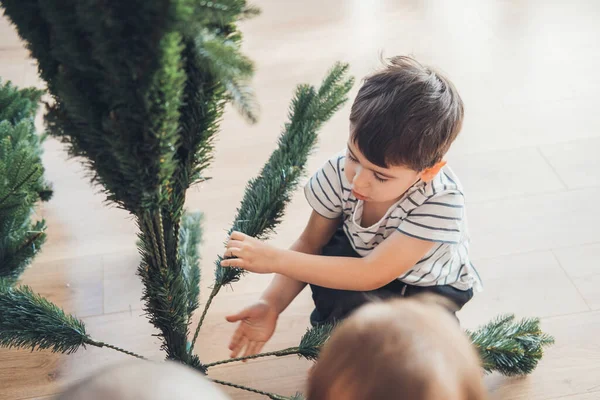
[(360, 177)]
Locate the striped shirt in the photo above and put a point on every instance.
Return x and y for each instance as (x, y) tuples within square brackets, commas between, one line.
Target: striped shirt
[(432, 211)]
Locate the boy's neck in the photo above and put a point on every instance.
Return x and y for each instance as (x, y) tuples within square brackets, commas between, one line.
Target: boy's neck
[(374, 211)]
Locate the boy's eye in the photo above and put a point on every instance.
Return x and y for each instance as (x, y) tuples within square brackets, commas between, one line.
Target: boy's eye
[(380, 179), (352, 158)]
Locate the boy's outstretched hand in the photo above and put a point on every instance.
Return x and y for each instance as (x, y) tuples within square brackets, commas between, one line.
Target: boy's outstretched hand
[(257, 324)]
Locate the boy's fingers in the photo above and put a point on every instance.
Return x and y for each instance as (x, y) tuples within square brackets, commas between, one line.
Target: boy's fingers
[(237, 236), (257, 348), (239, 347), (236, 317), (248, 350), (236, 338), (251, 349), (261, 345), (235, 243), (233, 262), (233, 252)]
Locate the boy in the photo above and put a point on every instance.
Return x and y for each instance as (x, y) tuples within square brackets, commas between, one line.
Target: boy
[(378, 353), (388, 216)]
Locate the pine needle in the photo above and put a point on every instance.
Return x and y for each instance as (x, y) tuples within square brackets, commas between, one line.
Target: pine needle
[(22, 182), (223, 58), (18, 104), (29, 320), (509, 347), (313, 340), (190, 237)]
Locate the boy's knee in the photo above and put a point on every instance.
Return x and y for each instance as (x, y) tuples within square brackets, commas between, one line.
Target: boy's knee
[(449, 297), (333, 305)]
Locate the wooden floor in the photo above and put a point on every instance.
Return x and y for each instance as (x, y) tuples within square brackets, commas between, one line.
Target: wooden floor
[(528, 158)]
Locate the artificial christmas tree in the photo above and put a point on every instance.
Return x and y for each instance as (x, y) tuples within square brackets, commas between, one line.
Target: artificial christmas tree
[(137, 92)]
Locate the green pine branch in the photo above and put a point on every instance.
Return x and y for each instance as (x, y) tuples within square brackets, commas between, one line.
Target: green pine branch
[(18, 108), (223, 58), (313, 341), (165, 291), (204, 103), (22, 183), (190, 237), (28, 320), (267, 195), (18, 104), (35, 31), (200, 114), (224, 12), (511, 347), (117, 88), (277, 353), (19, 251), (219, 15), (21, 173)]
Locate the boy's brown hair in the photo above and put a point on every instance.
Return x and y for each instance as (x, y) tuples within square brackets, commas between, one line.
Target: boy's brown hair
[(400, 349), (406, 114)]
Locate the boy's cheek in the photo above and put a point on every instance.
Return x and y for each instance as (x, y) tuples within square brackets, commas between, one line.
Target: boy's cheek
[(349, 175)]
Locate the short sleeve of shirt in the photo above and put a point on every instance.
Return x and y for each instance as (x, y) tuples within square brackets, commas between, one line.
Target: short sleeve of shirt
[(439, 219), (324, 189)]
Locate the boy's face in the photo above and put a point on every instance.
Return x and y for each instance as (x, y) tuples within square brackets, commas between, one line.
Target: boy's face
[(375, 184)]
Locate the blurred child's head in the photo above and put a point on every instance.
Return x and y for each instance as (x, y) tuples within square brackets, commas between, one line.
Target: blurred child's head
[(144, 380), (401, 349), (402, 123)]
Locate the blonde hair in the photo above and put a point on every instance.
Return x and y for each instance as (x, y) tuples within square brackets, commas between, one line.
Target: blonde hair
[(146, 380), (402, 349)]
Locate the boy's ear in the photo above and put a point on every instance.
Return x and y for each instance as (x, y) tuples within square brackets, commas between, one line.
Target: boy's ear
[(430, 173)]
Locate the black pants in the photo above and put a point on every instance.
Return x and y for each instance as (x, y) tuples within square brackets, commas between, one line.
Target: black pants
[(333, 305)]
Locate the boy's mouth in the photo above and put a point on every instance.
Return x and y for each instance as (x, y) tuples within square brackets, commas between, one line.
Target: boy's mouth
[(358, 195)]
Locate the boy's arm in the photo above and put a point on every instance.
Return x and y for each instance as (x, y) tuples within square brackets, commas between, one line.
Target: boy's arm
[(439, 220), (392, 258), (258, 321), (284, 288)]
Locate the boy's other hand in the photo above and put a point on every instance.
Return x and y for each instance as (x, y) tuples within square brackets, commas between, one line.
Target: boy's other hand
[(257, 324), (250, 254)]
